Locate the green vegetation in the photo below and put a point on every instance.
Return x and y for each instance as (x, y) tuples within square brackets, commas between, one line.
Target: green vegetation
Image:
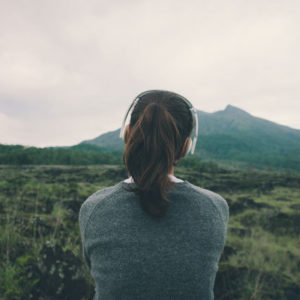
[(40, 247), (83, 154), (236, 149)]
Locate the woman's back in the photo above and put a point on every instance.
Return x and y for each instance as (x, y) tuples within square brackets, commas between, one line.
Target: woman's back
[(134, 256)]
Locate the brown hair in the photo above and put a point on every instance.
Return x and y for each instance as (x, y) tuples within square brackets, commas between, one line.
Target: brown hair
[(159, 125)]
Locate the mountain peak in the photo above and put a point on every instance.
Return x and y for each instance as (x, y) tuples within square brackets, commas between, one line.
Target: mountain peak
[(230, 107), (234, 110)]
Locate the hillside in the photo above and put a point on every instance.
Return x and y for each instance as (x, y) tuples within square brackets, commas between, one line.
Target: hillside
[(234, 136)]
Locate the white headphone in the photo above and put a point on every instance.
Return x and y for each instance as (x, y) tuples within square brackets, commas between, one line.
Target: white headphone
[(191, 144)]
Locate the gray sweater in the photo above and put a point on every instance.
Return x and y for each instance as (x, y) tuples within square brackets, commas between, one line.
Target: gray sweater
[(134, 256)]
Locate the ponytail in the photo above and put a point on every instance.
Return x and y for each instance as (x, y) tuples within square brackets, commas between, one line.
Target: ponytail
[(150, 151)]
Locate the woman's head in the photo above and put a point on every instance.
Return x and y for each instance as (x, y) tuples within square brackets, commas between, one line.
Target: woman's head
[(160, 124)]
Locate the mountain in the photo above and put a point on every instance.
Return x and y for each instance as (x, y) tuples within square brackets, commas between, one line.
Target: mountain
[(110, 140), (234, 135)]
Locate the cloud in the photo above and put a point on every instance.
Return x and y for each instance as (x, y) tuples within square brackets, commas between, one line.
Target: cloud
[(78, 64), (10, 129)]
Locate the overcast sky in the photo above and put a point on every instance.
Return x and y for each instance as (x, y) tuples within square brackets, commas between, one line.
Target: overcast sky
[(70, 69)]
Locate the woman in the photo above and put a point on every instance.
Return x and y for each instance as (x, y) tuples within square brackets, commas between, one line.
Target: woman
[(154, 236)]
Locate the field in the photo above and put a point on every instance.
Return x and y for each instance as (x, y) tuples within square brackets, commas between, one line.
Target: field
[(40, 247)]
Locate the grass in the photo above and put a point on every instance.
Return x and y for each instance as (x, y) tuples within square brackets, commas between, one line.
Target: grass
[(39, 206), (264, 251)]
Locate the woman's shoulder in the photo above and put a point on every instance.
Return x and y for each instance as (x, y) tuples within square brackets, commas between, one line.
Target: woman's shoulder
[(212, 197), (94, 200), (99, 195)]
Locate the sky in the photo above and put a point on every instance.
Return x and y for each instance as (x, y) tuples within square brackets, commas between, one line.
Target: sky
[(70, 69)]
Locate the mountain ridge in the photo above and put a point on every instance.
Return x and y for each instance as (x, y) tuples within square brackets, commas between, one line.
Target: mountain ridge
[(232, 134)]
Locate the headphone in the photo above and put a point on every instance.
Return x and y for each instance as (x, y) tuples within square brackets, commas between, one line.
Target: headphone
[(191, 144)]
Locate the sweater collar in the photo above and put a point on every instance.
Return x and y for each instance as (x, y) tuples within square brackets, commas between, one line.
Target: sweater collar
[(172, 178)]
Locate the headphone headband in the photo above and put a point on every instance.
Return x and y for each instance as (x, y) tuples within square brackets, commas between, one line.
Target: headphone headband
[(191, 107)]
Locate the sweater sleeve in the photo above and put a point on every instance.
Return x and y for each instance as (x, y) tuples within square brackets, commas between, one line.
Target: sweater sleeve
[(83, 219), (223, 208), (85, 212)]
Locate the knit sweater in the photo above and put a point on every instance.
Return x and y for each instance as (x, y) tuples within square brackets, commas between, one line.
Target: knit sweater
[(132, 255)]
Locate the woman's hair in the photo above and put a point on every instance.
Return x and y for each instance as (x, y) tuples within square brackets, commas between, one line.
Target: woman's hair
[(159, 125)]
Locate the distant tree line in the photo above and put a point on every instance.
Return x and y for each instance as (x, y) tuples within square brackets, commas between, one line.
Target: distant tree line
[(89, 154), (76, 155)]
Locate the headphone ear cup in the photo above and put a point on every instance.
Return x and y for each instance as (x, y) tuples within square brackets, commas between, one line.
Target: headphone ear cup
[(188, 146), (125, 135)]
